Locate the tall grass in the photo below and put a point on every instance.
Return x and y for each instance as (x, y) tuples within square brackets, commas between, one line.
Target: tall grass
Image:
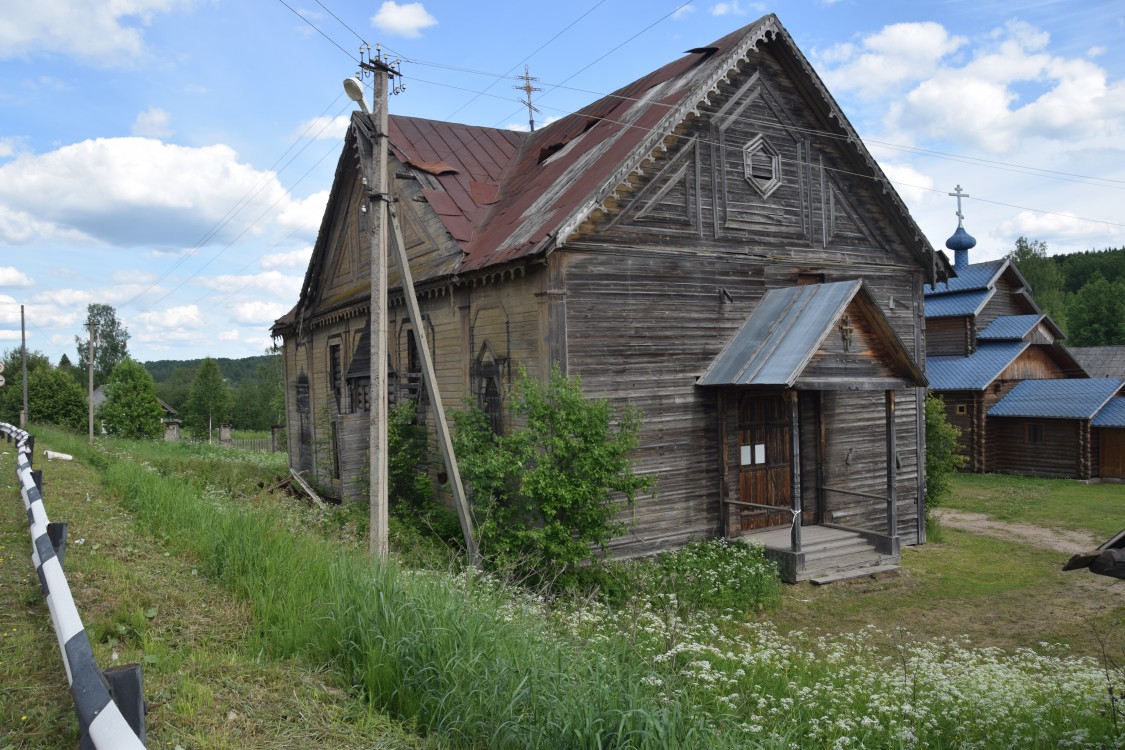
[(466, 658), (451, 653)]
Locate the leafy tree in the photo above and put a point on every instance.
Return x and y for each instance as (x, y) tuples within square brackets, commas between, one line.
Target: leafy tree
[(544, 495), (131, 409), (942, 459), (257, 399), (209, 402), (78, 373), (54, 398), (1097, 313), (1044, 275), (176, 386), (11, 395), (110, 341)]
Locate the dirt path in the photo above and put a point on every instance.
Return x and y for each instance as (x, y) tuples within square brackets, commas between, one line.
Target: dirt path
[(1070, 542)]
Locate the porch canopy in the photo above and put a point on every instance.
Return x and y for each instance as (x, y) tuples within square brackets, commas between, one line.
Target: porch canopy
[(819, 337)]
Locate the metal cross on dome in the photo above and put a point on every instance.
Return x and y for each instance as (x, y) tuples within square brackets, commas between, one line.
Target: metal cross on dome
[(957, 192)]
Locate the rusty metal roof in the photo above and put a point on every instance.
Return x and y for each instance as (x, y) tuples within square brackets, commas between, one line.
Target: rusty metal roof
[(779, 338), (506, 195)]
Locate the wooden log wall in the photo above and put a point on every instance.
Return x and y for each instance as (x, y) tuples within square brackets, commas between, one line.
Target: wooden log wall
[(657, 284), (1063, 453), (953, 337)]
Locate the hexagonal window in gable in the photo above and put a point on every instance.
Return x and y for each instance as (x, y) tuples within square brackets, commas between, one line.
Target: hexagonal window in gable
[(762, 164)]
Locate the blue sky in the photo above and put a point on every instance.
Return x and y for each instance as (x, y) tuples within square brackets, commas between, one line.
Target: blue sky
[(172, 157)]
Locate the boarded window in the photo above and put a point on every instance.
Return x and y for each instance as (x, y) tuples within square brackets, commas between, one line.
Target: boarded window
[(487, 386), (336, 373)]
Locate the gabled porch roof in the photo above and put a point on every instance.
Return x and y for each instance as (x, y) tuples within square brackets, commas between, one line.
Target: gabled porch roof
[(789, 327)]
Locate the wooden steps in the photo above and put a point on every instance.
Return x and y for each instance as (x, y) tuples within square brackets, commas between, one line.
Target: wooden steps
[(829, 554)]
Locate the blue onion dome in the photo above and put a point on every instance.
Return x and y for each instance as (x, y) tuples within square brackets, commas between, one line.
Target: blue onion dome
[(961, 241)]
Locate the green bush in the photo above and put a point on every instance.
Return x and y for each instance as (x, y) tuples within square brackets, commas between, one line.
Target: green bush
[(942, 459), (547, 494), (131, 409), (720, 575)]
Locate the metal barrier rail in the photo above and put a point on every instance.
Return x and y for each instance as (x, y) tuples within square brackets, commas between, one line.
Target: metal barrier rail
[(109, 704)]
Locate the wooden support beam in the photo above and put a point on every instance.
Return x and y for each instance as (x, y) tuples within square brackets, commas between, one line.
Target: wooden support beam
[(441, 426), (795, 470), (892, 462)]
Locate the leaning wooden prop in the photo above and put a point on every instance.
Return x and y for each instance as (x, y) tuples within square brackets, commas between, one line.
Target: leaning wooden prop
[(1106, 560)]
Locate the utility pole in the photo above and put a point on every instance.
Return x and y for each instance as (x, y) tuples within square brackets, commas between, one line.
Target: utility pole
[(373, 151), (373, 160), (23, 365), (90, 378)]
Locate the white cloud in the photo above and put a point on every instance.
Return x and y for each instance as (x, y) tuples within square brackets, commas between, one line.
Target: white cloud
[(406, 20), (1060, 227), (324, 128), (728, 9), (11, 276), (7, 335), (259, 311), (304, 214), (171, 319), (683, 12), (153, 123), (911, 184), (294, 259), (523, 127), (897, 53), (140, 191), (8, 146), (274, 283), (231, 335), (102, 33)]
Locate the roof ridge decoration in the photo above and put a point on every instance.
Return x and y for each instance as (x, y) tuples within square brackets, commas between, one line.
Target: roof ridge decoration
[(689, 105), (726, 66)]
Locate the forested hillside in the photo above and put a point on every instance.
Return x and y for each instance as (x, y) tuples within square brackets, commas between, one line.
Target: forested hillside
[(255, 399), (1084, 292)]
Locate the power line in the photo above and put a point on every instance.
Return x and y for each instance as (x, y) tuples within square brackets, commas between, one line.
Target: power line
[(537, 50), (318, 30), (240, 235), (341, 22), (244, 201), (837, 170)]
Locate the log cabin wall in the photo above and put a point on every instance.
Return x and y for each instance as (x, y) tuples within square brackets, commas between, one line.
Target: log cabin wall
[(658, 282), (950, 337), (1006, 301), (1040, 447)]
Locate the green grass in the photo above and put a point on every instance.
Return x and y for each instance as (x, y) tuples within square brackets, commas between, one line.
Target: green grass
[(206, 677), (473, 664), (1051, 503)]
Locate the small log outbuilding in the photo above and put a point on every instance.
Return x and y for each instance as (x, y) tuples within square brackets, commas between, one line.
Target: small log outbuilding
[(1056, 428), (712, 244)]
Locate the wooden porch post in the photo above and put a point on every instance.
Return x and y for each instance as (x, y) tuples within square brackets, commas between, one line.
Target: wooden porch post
[(892, 450), (795, 470)]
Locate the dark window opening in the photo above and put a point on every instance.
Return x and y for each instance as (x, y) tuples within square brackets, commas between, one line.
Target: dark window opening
[(336, 373), (335, 453), (962, 409), (1034, 433)]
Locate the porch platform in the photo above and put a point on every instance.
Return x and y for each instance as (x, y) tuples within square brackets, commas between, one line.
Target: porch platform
[(826, 552)]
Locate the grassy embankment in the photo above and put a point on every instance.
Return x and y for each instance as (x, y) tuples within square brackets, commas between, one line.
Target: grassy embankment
[(477, 667)]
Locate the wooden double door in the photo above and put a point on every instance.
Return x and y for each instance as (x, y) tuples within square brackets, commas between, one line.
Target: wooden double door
[(764, 477)]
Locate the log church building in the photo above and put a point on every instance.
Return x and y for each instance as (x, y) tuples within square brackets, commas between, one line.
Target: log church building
[(712, 244)]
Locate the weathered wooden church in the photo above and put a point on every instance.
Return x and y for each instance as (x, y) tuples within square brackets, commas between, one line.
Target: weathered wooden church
[(712, 244)]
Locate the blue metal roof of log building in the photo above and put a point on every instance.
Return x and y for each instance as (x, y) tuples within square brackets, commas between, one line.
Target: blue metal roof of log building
[(976, 371), (1058, 399)]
